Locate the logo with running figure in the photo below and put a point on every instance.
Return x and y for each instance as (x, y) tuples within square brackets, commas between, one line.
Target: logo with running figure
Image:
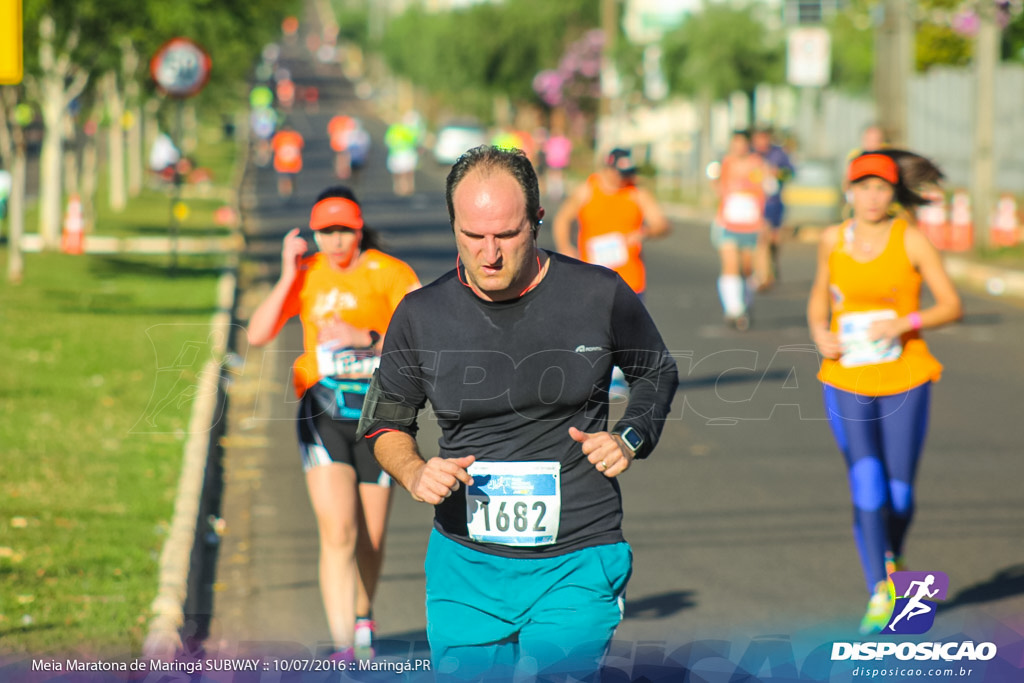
[(914, 610)]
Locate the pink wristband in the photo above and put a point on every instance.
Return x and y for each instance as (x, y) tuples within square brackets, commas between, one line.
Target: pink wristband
[(915, 320)]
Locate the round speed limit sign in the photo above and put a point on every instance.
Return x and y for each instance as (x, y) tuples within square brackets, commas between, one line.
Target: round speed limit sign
[(180, 67)]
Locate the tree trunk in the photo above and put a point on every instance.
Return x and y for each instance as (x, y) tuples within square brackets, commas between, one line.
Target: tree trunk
[(983, 154), (190, 134), (70, 155), (6, 145), (16, 214), (12, 154), (50, 160), (706, 196), (136, 167), (90, 173), (61, 82), (502, 108), (133, 134), (115, 142), (150, 125)]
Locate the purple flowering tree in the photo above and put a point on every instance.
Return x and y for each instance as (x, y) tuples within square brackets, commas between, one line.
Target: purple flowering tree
[(575, 83)]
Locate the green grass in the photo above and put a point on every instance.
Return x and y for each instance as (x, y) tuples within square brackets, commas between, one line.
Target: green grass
[(149, 214), (90, 458), (101, 355), (1002, 256)]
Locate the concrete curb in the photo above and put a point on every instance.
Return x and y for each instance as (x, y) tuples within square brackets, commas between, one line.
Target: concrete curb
[(1002, 282), (163, 639), (101, 244)]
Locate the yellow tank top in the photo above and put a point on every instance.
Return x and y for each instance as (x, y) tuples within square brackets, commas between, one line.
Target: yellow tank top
[(887, 283)]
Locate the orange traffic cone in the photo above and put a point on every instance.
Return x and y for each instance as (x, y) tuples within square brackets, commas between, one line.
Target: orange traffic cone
[(961, 226), (72, 239), (1005, 226), (933, 220)]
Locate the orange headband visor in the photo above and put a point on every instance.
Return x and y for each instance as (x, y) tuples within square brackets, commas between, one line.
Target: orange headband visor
[(336, 212), (878, 165)]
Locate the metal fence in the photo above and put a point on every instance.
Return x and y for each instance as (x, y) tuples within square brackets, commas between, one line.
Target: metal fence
[(827, 126), (940, 123)]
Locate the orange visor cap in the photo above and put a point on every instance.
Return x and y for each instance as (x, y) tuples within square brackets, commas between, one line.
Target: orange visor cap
[(336, 212), (878, 165)]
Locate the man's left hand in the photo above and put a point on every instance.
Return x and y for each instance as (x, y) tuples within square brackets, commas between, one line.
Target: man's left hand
[(604, 451)]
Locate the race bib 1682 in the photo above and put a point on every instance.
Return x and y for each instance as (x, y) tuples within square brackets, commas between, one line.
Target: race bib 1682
[(514, 503)]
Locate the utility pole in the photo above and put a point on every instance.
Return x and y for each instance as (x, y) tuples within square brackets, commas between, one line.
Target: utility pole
[(609, 74), (894, 63), (610, 28), (983, 164)]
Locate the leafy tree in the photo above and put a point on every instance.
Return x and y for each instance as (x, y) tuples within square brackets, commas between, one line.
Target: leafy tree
[(576, 81), (936, 45), (853, 47), (1013, 39), (353, 25), (944, 36), (15, 158), (445, 54), (70, 45), (59, 39), (721, 50)]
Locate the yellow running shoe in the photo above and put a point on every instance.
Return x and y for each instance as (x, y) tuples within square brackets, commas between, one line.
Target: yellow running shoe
[(879, 609)]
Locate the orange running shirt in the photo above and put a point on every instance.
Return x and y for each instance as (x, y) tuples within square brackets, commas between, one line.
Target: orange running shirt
[(610, 232), (887, 283), (338, 129), (364, 296), (742, 205), (287, 151)]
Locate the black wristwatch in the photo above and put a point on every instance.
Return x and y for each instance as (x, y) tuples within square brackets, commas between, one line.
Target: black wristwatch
[(631, 438)]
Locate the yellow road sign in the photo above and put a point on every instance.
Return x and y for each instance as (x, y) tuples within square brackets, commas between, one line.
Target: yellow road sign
[(11, 66), (181, 211)]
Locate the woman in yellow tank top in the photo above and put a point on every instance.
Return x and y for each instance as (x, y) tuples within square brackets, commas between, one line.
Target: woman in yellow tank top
[(865, 318)]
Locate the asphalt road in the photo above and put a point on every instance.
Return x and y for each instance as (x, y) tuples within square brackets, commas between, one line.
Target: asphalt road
[(740, 521)]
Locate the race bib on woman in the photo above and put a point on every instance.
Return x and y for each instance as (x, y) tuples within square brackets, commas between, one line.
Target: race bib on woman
[(858, 348), (608, 250), (740, 209), (333, 360), (514, 503)]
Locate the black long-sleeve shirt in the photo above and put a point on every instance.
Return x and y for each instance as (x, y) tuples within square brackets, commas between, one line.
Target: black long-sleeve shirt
[(507, 379)]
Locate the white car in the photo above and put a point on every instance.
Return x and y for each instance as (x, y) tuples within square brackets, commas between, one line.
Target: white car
[(455, 138)]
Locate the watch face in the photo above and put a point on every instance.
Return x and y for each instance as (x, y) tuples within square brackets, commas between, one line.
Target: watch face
[(632, 439)]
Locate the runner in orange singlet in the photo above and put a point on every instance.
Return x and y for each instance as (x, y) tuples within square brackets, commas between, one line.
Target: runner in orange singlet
[(615, 217), (345, 295), (338, 129), (738, 226), (287, 144)]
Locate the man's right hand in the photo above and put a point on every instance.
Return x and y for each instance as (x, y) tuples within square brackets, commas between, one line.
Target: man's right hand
[(438, 478), (294, 248)]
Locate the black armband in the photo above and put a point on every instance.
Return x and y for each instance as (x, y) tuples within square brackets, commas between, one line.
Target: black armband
[(377, 408)]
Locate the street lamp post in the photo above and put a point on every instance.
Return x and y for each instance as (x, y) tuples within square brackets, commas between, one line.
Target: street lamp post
[(983, 165), (894, 59)]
